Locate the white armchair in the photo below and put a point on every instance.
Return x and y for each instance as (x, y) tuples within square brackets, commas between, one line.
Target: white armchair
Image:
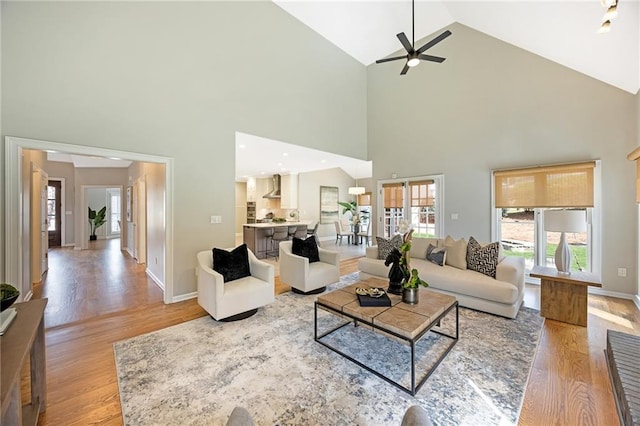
[(305, 277), (236, 299)]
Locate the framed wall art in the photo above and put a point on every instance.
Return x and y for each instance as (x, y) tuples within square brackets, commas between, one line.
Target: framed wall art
[(329, 211)]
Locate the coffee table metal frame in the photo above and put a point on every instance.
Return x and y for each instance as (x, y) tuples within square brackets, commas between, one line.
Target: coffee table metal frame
[(411, 341)]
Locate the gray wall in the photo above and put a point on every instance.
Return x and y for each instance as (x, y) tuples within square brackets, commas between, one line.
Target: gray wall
[(58, 169), (491, 105), (178, 80)]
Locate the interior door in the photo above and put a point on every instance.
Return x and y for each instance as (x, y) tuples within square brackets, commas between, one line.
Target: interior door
[(44, 226), (54, 207)]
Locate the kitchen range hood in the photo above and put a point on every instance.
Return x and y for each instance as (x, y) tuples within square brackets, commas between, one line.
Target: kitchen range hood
[(276, 188)]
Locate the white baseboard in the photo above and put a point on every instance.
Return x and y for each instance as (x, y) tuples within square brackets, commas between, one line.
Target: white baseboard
[(619, 295), (155, 279), (69, 245), (129, 252), (183, 297), (28, 296), (75, 247), (636, 300)]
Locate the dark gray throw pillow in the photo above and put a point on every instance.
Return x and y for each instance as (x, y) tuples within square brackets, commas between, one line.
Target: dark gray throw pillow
[(232, 265), (306, 248), (483, 259), (436, 255), (386, 246)]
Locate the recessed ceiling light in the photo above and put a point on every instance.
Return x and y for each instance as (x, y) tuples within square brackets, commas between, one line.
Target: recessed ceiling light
[(262, 173), (114, 158), (323, 161), (285, 154), (242, 146), (279, 164), (50, 150)]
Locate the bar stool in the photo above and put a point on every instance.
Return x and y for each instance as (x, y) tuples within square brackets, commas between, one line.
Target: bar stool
[(292, 231), (279, 234)]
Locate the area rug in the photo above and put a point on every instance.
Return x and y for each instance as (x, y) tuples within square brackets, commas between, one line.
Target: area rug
[(195, 373)]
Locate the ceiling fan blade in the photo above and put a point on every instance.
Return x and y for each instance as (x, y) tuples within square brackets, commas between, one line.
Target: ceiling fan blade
[(404, 70), (405, 42), (379, 61), (431, 58), (434, 41)]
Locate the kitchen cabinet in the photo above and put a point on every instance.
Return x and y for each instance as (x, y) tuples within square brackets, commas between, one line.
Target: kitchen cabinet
[(289, 191)]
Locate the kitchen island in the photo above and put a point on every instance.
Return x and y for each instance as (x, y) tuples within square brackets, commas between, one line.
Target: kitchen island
[(256, 235)]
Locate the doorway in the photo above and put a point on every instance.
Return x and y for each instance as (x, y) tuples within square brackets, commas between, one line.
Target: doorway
[(16, 254), (54, 209)]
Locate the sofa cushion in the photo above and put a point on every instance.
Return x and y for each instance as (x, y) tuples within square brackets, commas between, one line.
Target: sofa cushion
[(456, 252), (467, 282), (483, 259), (419, 246), (386, 246), (233, 264), (436, 255), (306, 248)]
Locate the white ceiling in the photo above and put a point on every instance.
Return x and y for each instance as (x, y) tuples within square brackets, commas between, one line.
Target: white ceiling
[(84, 161), (564, 32), (260, 158)]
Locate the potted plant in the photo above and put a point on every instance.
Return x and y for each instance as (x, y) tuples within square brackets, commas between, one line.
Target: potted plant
[(411, 280), (356, 217), (96, 220)]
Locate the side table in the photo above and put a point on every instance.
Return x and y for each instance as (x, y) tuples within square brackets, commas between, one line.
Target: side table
[(563, 297), (24, 337)]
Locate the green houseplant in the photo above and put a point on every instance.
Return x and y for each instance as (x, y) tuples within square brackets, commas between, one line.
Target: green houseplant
[(352, 207), (411, 281), (96, 220)]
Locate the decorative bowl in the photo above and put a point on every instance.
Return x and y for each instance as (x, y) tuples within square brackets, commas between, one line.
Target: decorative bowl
[(8, 295)]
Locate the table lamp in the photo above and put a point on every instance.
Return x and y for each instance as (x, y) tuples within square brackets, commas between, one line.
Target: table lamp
[(564, 221)]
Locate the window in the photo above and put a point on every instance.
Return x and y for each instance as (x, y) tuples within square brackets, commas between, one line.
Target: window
[(412, 202), (51, 208), (115, 209), (522, 196)]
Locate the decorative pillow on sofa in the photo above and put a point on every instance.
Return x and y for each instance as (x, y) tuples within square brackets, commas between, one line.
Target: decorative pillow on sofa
[(232, 265), (436, 255), (386, 246), (483, 259), (456, 252), (306, 248)]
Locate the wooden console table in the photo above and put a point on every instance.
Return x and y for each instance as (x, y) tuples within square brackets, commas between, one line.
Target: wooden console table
[(563, 297), (25, 336)]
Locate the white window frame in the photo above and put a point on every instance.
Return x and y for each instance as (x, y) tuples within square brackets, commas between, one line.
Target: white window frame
[(439, 207), (594, 227)]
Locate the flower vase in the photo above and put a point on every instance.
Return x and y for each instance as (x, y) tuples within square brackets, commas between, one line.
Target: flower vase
[(410, 295)]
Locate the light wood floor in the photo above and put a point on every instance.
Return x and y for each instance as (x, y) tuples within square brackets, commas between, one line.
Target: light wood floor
[(100, 296)]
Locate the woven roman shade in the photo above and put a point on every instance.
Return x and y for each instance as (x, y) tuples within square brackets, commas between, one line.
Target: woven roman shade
[(393, 195), (364, 199), (566, 185), (419, 193)]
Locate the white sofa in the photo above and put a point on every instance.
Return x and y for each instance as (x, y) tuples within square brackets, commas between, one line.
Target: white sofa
[(236, 299), (500, 296), (305, 277)]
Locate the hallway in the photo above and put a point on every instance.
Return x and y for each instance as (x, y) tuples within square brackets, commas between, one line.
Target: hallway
[(88, 284)]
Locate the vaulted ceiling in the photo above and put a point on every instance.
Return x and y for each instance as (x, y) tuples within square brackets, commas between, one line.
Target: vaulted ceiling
[(564, 32)]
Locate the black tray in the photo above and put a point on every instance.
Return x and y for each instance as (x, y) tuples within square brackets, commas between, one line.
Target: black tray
[(374, 301)]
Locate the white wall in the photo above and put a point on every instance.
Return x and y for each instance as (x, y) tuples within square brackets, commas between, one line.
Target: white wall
[(173, 79), (309, 195), (491, 105)]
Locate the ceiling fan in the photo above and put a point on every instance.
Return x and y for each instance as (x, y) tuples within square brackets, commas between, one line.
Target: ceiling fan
[(414, 56)]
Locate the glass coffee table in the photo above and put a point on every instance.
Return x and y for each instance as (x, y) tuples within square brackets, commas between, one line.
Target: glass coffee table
[(407, 323)]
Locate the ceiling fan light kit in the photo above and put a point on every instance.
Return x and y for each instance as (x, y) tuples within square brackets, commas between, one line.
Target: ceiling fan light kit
[(413, 56)]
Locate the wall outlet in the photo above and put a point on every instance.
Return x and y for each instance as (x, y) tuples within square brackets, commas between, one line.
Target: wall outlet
[(622, 272), (216, 219), (454, 216)]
